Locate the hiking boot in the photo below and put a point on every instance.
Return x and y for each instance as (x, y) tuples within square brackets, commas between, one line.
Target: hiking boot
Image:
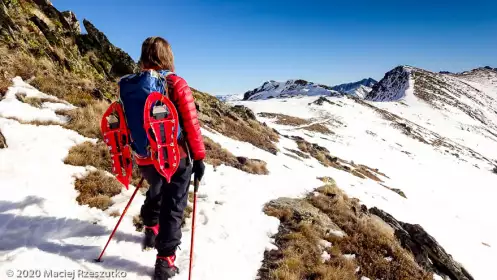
[(150, 235), (165, 268)]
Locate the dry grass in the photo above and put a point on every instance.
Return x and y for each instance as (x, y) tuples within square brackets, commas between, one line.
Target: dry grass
[(323, 156), (298, 153), (98, 156), (4, 86), (251, 131), (138, 223), (285, 119), (35, 122), (36, 102), (88, 153), (96, 190), (86, 120), (299, 255), (217, 155), (317, 127)]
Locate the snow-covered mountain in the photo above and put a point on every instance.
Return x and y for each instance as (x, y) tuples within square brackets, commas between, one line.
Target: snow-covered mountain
[(359, 89), (230, 97), (290, 88)]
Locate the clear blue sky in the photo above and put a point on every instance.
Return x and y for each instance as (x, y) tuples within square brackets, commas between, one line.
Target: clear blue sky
[(224, 47)]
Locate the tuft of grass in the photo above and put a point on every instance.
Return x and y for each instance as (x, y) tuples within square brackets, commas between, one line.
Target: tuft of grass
[(317, 127), (186, 214), (138, 223), (98, 156), (4, 86), (285, 119), (34, 122), (96, 190), (88, 153), (86, 120), (217, 155)]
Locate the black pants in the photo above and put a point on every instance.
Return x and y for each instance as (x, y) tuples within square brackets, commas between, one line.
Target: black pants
[(164, 204)]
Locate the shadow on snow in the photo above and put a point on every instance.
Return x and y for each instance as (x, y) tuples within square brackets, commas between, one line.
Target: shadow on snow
[(42, 232)]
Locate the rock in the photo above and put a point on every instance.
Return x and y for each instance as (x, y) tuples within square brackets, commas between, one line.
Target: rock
[(121, 63), (244, 112), (426, 250), (7, 26), (3, 142), (306, 212), (72, 21), (242, 160)]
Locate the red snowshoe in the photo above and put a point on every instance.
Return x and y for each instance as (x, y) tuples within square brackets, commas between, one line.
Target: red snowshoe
[(116, 136), (160, 121)]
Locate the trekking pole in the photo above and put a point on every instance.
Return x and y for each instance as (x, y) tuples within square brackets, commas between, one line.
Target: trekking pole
[(120, 219), (195, 185)]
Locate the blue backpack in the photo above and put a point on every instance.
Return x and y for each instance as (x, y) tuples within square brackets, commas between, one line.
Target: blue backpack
[(133, 92)]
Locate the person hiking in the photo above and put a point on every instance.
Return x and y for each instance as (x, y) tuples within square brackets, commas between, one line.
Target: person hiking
[(163, 208)]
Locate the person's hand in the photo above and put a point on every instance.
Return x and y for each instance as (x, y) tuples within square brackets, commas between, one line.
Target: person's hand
[(198, 170)]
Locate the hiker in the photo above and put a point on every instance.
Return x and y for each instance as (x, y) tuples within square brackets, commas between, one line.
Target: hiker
[(165, 202)]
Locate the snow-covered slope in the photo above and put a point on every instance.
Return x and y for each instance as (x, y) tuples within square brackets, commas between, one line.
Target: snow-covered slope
[(290, 88), (359, 89), (435, 150)]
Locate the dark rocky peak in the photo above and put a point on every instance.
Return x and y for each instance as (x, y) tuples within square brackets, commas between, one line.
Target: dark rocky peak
[(96, 41), (392, 86)]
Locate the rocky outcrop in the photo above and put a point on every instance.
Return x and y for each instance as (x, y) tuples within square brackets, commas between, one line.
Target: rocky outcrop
[(305, 212), (120, 62), (73, 21), (3, 142), (392, 87), (426, 250), (7, 25)]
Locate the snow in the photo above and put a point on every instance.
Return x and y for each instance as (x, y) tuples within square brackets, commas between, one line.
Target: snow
[(43, 227), (290, 88), (325, 256), (447, 195), (13, 108)]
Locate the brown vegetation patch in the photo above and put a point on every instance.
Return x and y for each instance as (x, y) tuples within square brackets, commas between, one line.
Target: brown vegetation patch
[(398, 191), (323, 156), (35, 101), (98, 156), (96, 190), (317, 127), (217, 155), (298, 153), (236, 122), (86, 120), (285, 119), (34, 122), (87, 153), (377, 253)]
